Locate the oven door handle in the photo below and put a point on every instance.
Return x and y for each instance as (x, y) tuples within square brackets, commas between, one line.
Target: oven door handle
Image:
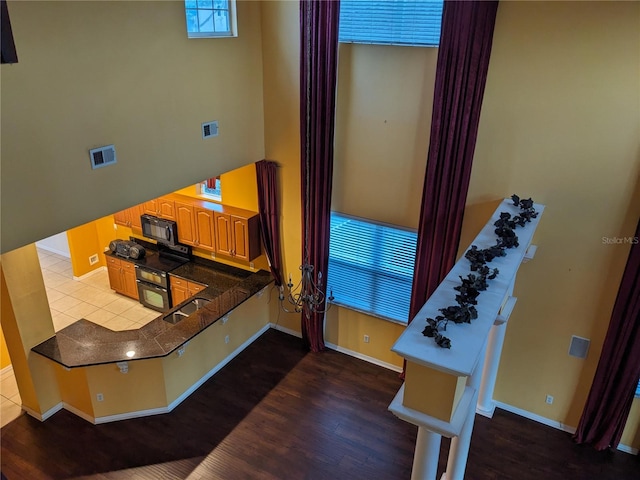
[(150, 285)]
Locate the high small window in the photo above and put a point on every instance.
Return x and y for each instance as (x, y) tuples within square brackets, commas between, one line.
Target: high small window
[(211, 18), (371, 266), (211, 188), (391, 22)]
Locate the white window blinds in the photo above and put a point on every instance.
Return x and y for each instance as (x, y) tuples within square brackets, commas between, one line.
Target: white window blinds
[(371, 266), (392, 22)]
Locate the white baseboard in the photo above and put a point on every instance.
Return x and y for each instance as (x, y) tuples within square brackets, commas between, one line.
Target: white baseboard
[(285, 330), (43, 416), (366, 358), (346, 351), (554, 423), (79, 413), (125, 416), (91, 273), (536, 418), (486, 413)]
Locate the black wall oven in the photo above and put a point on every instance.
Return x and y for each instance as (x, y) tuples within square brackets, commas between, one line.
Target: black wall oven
[(153, 289), (152, 273)]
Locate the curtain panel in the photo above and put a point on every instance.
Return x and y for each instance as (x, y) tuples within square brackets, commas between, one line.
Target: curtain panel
[(318, 77), (269, 206), (614, 384), (461, 74)]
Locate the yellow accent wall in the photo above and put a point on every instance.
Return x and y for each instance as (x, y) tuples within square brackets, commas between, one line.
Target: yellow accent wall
[(141, 388), (5, 360), (281, 55), (121, 73), (561, 123), (383, 120)]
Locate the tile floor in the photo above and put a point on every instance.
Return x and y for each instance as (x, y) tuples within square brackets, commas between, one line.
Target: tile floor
[(71, 300)]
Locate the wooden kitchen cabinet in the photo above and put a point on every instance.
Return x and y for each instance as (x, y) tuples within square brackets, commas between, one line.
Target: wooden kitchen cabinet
[(195, 226), (204, 229), (185, 219), (237, 236), (160, 207), (129, 217), (122, 277), (182, 289)]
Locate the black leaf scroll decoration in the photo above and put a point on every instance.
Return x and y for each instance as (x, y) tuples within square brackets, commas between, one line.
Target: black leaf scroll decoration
[(476, 282)]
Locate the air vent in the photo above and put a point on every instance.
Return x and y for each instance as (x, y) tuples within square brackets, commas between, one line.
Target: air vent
[(210, 129), (579, 347), (102, 156)]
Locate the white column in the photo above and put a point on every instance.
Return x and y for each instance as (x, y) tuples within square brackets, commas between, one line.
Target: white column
[(425, 457), (495, 340), (486, 406), (459, 449)]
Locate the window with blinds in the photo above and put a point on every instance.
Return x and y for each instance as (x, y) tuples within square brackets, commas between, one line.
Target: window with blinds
[(391, 22), (371, 266)]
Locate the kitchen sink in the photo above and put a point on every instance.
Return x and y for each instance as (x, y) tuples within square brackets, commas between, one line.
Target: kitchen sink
[(186, 310)]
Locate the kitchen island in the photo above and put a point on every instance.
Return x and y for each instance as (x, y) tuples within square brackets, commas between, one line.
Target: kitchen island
[(106, 375)]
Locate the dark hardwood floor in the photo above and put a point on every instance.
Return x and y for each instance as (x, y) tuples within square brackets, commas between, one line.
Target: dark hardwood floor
[(276, 412)]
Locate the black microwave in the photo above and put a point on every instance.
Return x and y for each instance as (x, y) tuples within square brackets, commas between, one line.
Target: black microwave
[(159, 229)]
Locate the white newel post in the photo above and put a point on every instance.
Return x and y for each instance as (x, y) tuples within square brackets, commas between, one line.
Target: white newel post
[(426, 454), (474, 355), (486, 405), (459, 449)]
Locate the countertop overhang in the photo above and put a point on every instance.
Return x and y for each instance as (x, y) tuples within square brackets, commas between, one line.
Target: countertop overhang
[(85, 343)]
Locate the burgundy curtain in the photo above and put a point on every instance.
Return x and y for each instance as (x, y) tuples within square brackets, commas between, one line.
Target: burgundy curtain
[(267, 176), (463, 61), (9, 54), (211, 182), (318, 75), (616, 378)]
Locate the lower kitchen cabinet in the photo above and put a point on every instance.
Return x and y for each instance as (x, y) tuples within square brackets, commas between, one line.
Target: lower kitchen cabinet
[(182, 289), (122, 277)]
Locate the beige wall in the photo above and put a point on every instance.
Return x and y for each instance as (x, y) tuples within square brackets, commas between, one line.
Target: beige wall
[(123, 73), (560, 123)]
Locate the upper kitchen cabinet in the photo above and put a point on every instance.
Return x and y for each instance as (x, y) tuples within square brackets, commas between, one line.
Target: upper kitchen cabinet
[(237, 236), (204, 228), (129, 217), (195, 225), (186, 223), (162, 207)]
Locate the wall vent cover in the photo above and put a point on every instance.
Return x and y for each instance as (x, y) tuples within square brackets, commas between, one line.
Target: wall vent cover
[(102, 156), (210, 129), (579, 347)]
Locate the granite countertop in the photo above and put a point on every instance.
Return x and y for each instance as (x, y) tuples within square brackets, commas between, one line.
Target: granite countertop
[(85, 343)]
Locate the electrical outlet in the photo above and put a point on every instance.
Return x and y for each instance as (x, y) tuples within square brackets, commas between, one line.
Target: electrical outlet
[(366, 339), (549, 400), (93, 259), (251, 266), (99, 397), (226, 339)]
